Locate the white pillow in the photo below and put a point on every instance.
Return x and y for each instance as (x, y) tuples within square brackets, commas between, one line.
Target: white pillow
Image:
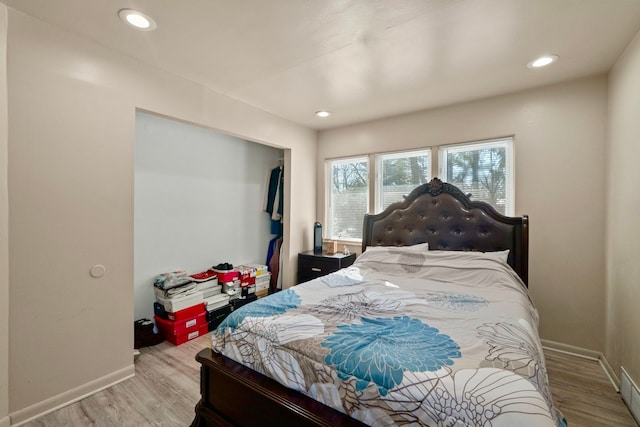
[(420, 247), (501, 256)]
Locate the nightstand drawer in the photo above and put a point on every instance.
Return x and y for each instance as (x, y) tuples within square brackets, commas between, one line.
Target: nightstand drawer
[(312, 265)]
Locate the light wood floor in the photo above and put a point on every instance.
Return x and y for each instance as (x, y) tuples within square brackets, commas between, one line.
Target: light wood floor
[(166, 389)]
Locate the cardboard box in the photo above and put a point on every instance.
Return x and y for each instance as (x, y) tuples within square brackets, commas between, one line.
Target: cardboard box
[(262, 287), (331, 246)]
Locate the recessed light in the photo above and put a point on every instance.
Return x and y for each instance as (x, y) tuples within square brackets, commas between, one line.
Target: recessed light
[(137, 19), (542, 61), (323, 113)]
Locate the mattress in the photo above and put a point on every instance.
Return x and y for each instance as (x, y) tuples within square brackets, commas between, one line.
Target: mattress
[(404, 337)]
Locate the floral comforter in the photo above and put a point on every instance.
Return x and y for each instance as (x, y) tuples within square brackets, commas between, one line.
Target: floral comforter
[(404, 337)]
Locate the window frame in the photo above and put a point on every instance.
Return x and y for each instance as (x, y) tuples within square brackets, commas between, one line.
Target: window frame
[(436, 163), (328, 225), (378, 171), (507, 143)]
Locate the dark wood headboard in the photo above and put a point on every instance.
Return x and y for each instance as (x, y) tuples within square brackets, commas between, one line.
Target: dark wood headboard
[(440, 214)]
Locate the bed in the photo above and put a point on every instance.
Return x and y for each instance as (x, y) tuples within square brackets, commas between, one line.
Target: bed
[(432, 326)]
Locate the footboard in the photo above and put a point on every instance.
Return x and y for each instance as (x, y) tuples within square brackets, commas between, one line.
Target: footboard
[(234, 395)]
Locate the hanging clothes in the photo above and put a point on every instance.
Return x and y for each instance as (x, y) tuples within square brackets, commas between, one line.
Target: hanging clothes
[(274, 202), (274, 264)]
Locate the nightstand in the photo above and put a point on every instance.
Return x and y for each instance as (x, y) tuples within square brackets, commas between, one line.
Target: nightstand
[(312, 264)]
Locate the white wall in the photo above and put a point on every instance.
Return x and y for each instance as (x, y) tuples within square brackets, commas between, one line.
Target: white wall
[(4, 228), (71, 127), (560, 134), (623, 214), (198, 201)]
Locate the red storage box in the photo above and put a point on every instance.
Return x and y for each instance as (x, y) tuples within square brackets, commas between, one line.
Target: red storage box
[(169, 327), (245, 272), (249, 281), (187, 336), (226, 275), (187, 313)]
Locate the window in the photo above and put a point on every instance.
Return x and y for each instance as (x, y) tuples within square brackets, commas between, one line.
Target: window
[(348, 197), (398, 174), (483, 169)]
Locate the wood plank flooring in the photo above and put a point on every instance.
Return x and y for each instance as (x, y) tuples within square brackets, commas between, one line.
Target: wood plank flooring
[(584, 394), (167, 387)]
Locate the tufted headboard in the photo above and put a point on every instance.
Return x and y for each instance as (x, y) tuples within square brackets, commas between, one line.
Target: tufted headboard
[(440, 214)]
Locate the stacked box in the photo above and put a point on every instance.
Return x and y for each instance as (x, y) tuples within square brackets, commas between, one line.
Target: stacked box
[(259, 268), (202, 286), (237, 303), (182, 330), (216, 301), (262, 285), (209, 292), (226, 275), (247, 290), (181, 302), (187, 313), (216, 316), (231, 288), (247, 275)]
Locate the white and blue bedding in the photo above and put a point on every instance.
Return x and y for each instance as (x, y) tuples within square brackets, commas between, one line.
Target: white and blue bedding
[(404, 337)]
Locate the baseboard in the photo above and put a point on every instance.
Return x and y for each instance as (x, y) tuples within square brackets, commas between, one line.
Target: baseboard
[(613, 377), (596, 356), (5, 422), (63, 399), (572, 350)]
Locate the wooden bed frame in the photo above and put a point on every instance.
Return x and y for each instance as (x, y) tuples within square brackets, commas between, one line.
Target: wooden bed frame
[(437, 213)]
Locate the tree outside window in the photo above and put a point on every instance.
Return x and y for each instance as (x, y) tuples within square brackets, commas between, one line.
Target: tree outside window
[(483, 170), (348, 198)]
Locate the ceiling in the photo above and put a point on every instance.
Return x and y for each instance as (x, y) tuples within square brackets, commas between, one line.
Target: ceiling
[(359, 59)]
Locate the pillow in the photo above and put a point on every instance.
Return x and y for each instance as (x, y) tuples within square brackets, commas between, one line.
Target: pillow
[(501, 256), (420, 247)]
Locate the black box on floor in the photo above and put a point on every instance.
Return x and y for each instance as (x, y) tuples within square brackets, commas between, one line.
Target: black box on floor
[(215, 317), (239, 302)]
